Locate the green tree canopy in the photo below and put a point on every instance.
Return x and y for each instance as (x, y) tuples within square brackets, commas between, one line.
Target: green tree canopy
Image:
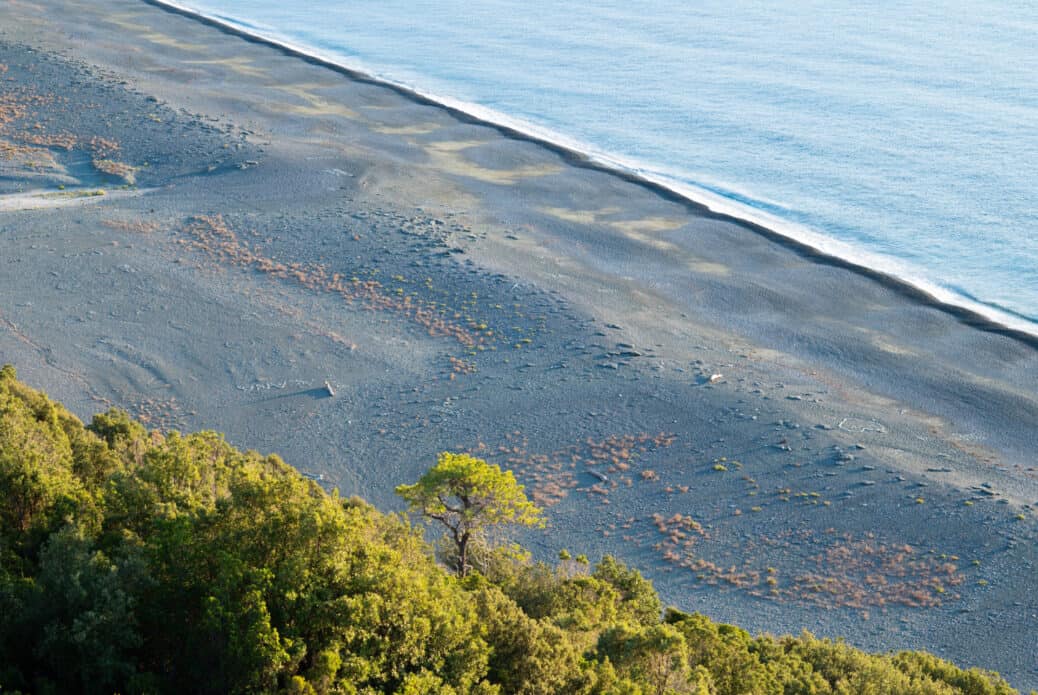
[(147, 562), (469, 496)]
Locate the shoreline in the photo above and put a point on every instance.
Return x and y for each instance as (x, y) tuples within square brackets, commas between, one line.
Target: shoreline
[(463, 289), (809, 243)]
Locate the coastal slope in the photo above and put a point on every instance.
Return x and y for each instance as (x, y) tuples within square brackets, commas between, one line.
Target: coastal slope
[(206, 230)]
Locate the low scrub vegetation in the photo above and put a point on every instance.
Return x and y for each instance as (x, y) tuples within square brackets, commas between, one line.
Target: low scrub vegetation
[(139, 562)]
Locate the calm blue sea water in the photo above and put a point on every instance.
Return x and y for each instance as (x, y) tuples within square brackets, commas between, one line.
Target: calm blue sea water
[(900, 134)]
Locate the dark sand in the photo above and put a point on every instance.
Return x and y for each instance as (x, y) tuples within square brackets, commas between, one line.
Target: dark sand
[(861, 463)]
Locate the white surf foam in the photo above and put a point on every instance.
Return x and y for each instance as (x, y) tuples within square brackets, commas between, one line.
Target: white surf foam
[(715, 202)]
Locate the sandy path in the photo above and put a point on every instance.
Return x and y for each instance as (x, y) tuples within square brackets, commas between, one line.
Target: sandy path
[(69, 197)]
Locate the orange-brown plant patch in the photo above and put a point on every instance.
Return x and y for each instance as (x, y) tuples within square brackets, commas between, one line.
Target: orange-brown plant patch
[(103, 148), (213, 237), (119, 169), (849, 572), (135, 226), (551, 476), (18, 104)]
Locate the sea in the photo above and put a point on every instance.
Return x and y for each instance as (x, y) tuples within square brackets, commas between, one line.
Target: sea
[(901, 136)]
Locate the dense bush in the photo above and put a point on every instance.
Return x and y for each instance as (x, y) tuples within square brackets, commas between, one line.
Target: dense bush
[(136, 562)]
